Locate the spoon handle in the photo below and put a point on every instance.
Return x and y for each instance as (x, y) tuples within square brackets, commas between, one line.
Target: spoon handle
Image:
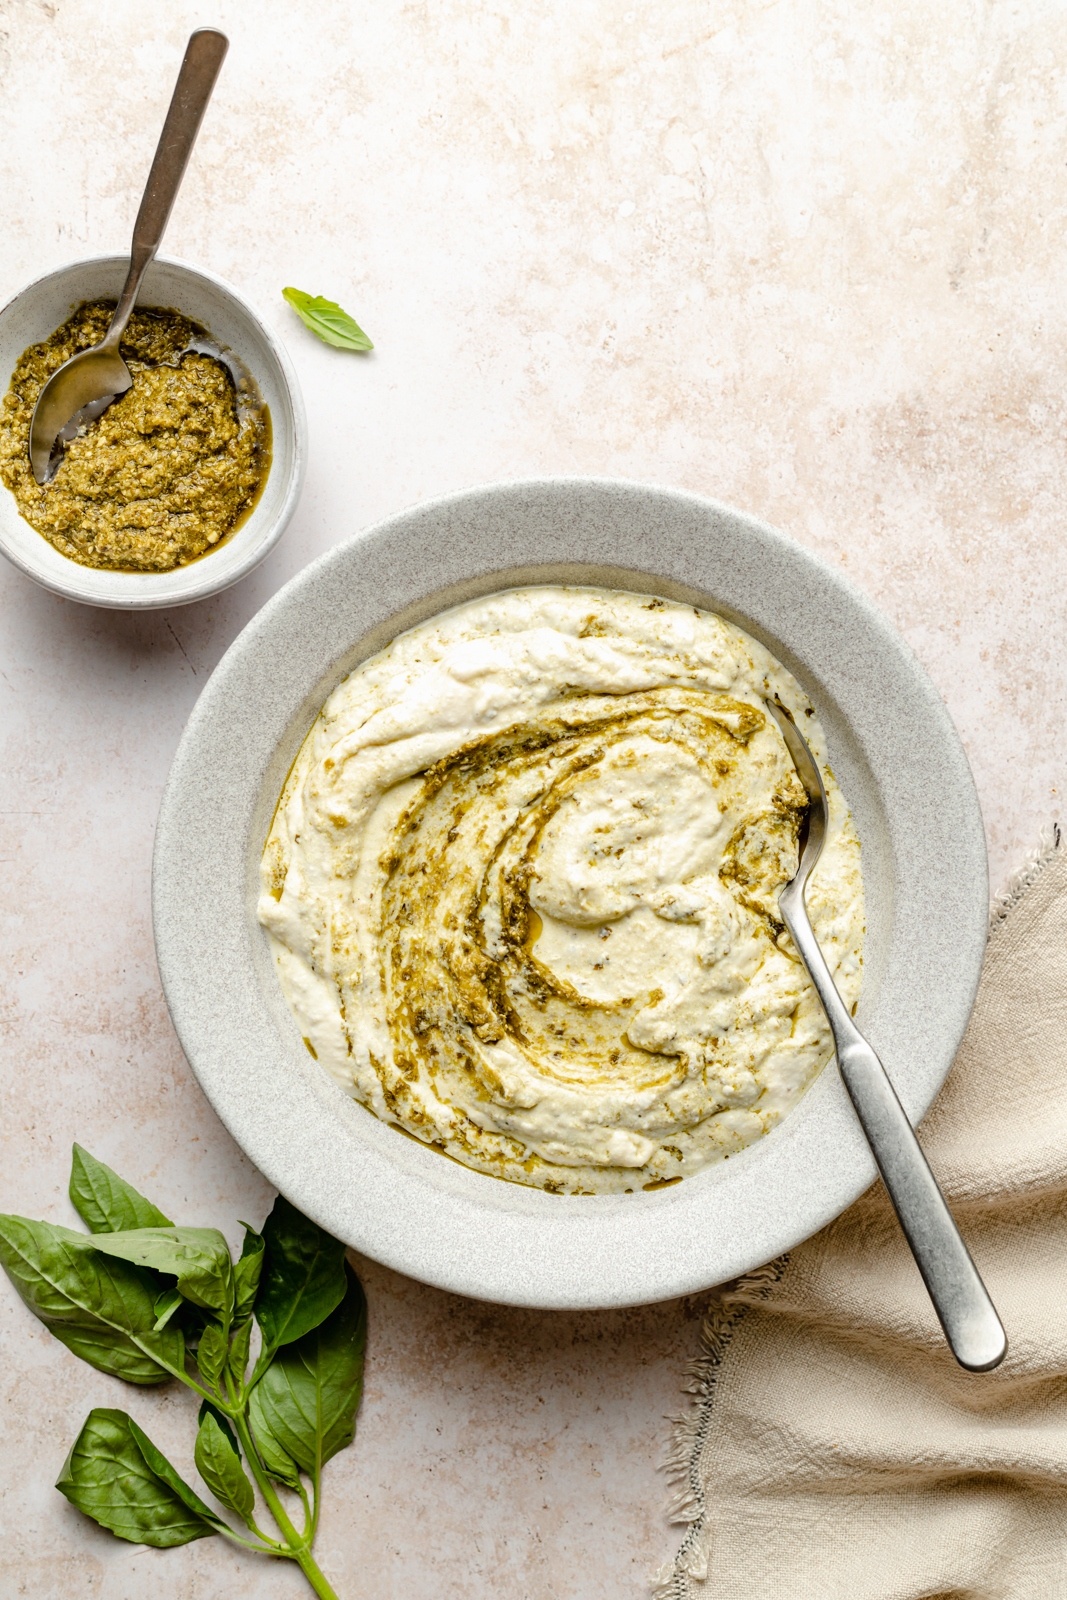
[(959, 1296), (200, 67)]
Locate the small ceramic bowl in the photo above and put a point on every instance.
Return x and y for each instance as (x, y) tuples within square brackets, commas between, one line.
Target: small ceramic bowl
[(40, 308), (894, 751)]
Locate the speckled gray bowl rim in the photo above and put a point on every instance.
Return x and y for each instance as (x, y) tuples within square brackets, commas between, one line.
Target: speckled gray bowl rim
[(891, 743)]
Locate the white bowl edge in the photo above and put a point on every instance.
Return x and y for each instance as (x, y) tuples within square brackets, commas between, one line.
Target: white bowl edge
[(40, 307)]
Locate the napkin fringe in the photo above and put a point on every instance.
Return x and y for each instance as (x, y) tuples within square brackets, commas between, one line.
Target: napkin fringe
[(685, 1503), (1027, 875), (689, 1431)]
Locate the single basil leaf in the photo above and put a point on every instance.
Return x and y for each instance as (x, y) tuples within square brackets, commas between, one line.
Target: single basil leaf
[(165, 1305), (246, 1273), (206, 1408), (220, 1467), (303, 1276), (109, 1351), (100, 1309), (105, 1202), (212, 1351), (307, 1398), (108, 1477), (277, 1465), (198, 1257), (326, 319), (240, 1345)]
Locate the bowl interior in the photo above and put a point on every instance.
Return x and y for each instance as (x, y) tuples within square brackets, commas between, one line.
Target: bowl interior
[(40, 308), (860, 785), (898, 762)]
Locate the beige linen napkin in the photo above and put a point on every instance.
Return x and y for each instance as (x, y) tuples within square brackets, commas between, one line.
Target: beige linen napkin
[(834, 1450)]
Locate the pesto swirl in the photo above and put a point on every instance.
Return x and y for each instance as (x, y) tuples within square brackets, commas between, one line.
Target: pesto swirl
[(522, 890)]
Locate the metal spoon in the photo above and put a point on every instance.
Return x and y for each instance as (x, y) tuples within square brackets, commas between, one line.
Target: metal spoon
[(966, 1313), (93, 378)]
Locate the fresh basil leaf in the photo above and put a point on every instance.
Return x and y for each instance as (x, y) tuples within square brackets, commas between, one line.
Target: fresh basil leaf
[(99, 1308), (105, 1202), (198, 1257), (277, 1465), (206, 1407), (307, 1398), (165, 1305), (219, 1464), (153, 1357), (240, 1345), (212, 1351), (326, 319), (109, 1478), (156, 1462), (246, 1273), (303, 1276)]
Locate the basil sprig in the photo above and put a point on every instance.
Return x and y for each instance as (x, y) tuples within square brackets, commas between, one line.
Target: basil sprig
[(271, 1343), (326, 319)]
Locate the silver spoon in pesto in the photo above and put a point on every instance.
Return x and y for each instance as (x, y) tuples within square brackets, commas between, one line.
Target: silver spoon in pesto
[(85, 386)]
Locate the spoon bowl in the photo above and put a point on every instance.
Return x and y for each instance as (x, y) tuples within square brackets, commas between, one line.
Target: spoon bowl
[(91, 379)]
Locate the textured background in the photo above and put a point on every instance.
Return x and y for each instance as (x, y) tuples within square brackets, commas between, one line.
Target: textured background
[(807, 258)]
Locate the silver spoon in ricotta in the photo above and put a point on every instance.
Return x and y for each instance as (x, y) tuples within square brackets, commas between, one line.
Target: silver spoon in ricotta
[(960, 1298)]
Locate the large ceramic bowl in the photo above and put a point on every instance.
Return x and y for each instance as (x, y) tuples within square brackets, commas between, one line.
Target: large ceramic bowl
[(893, 748), (40, 308)]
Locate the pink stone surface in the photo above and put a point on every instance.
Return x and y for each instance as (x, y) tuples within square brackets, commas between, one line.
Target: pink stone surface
[(806, 259)]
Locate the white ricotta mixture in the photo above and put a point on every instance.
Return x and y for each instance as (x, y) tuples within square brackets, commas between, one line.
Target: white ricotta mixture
[(522, 889)]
